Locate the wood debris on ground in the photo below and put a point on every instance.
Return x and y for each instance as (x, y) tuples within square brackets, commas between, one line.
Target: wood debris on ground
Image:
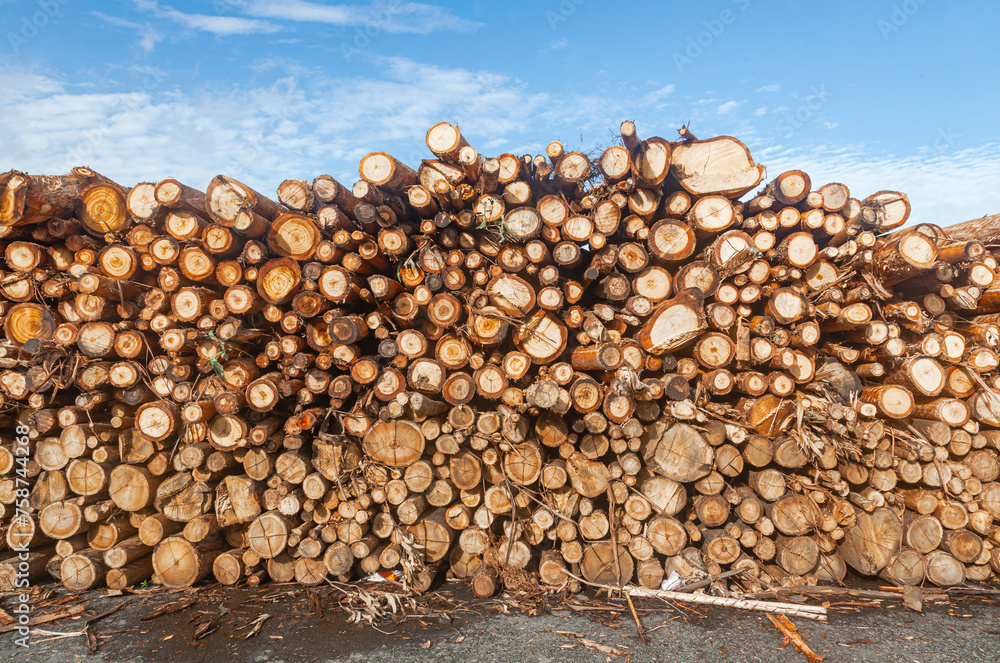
[(791, 635)]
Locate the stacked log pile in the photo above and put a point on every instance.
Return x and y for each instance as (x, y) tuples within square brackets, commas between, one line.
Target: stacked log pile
[(507, 368)]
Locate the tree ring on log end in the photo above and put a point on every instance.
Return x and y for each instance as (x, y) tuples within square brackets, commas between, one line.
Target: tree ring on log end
[(395, 443)]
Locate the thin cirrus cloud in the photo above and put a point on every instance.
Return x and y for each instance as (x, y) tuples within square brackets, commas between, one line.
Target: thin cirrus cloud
[(148, 35), (659, 94), (259, 16), (221, 26), (412, 17)]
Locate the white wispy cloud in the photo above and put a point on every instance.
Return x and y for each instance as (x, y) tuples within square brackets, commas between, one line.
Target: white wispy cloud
[(148, 36), (658, 94), (285, 65), (149, 39), (769, 88), (222, 26), (413, 17), (729, 107), (116, 21), (265, 17)]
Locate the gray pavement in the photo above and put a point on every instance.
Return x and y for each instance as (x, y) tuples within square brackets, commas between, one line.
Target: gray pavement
[(455, 627)]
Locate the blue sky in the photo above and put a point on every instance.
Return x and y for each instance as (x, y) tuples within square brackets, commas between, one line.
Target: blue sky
[(877, 95)]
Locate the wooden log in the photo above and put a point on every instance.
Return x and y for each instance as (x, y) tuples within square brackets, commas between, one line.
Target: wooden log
[(485, 582), (715, 166), (651, 161), (671, 240), (674, 324), (293, 236), (62, 520), (605, 563), (711, 510), (382, 170), (83, 570), (589, 478), (797, 555), (131, 574), (397, 443), (157, 527), (278, 280), (102, 208), (433, 533), (32, 566), (944, 570), (132, 488), (126, 551), (790, 187), (677, 452), (105, 535), (29, 199), (235, 205), (786, 306), (922, 375), (542, 337), (182, 498), (892, 401), (179, 563), (25, 322), (297, 195), (870, 544), (965, 546), (903, 256), (891, 208)]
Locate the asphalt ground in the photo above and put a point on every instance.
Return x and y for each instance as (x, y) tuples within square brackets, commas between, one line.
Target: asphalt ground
[(321, 624)]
